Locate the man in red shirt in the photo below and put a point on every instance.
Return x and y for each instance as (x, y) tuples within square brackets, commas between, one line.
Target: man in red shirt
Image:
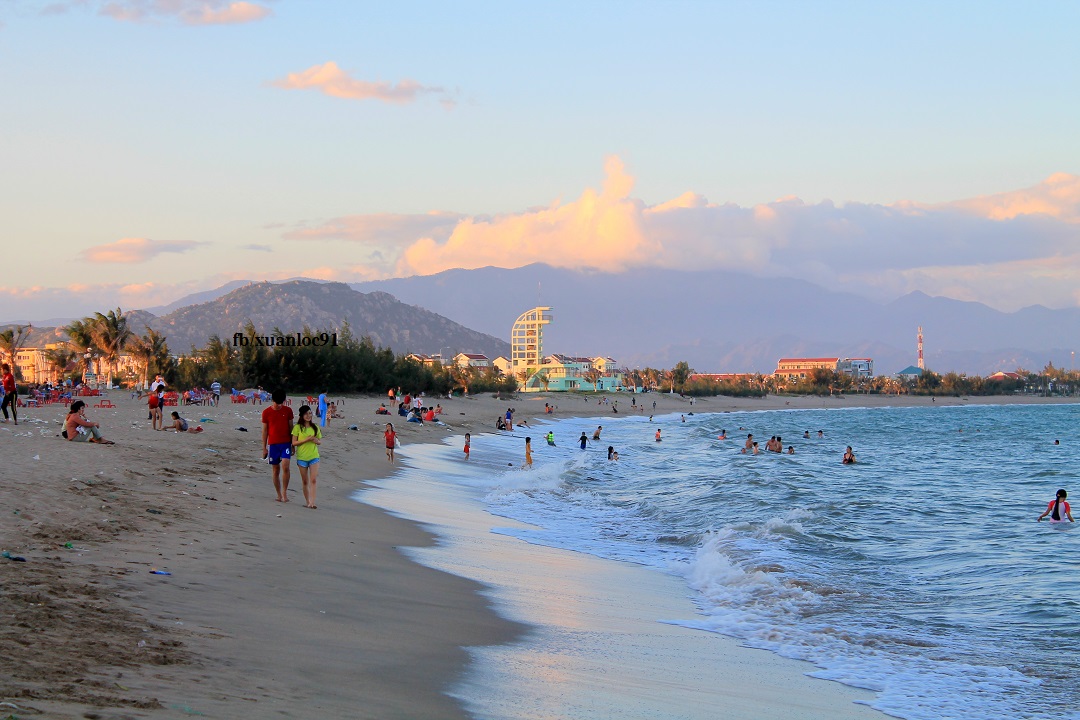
[(10, 398), (277, 422)]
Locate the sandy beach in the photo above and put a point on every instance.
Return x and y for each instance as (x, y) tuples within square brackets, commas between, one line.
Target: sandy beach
[(268, 608)]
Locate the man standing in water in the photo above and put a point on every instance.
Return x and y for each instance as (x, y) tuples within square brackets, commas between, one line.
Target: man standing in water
[(277, 422)]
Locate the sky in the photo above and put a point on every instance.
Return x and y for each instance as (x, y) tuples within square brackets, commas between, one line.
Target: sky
[(154, 148)]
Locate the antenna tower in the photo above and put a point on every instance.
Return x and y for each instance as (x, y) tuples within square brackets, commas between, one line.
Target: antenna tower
[(922, 366)]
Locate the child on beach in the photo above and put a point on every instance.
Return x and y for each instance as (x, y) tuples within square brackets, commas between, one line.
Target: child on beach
[(391, 440), (468, 443), (1058, 509), (306, 438), (180, 424), (528, 452)]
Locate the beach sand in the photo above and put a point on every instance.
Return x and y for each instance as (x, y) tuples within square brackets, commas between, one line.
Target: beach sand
[(270, 608)]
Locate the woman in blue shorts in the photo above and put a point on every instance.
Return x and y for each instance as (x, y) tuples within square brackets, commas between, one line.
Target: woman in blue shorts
[(306, 438)]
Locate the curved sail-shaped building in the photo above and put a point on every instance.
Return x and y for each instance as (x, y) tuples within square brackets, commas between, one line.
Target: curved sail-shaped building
[(527, 343)]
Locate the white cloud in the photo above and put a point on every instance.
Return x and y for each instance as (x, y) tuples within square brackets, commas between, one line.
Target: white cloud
[(134, 250), (331, 80)]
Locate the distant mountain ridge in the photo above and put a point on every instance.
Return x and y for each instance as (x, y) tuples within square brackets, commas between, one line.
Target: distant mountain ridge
[(729, 322), (293, 305)]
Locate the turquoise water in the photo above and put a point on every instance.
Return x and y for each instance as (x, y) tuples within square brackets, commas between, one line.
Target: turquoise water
[(918, 573)]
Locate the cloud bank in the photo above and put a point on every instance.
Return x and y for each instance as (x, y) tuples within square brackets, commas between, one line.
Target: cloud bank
[(133, 250), (1007, 250), (331, 80)]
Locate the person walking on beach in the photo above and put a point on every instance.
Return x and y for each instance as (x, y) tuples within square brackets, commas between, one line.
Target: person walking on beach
[(10, 397), (468, 444), (277, 423), (528, 452), (391, 441), (306, 438), (1058, 509), (215, 388), (849, 456)]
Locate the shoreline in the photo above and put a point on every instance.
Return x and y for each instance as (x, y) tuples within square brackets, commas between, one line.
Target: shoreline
[(269, 608)]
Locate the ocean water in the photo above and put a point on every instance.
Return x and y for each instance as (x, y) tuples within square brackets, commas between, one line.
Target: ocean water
[(918, 573)]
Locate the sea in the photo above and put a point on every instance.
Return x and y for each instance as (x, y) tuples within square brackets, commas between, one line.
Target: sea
[(918, 575)]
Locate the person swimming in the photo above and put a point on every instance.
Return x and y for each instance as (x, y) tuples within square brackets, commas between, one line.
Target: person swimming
[(583, 440), (610, 451), (1058, 509), (722, 435), (849, 457), (551, 438)]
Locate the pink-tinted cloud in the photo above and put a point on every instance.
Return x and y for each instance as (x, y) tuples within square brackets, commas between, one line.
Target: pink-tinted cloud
[(598, 230), (1058, 197), (189, 12), (134, 250), (1007, 250), (331, 80)]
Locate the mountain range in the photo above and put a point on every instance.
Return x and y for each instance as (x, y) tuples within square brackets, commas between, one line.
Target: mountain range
[(297, 304), (716, 321)]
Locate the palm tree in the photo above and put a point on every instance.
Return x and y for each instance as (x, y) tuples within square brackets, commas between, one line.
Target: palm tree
[(149, 349), (60, 359), (111, 334), (592, 376), (81, 338), (12, 341)]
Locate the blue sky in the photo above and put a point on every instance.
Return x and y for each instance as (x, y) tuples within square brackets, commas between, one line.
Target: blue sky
[(187, 131)]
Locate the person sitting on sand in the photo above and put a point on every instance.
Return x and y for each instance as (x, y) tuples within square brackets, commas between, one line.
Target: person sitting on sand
[(78, 429), (414, 417), (438, 409), (1058, 509), (382, 410), (500, 424), (429, 415), (849, 456), (332, 412), (179, 424)]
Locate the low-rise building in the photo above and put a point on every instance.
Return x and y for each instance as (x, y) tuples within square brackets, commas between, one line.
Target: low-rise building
[(473, 360), (857, 367), (795, 369)]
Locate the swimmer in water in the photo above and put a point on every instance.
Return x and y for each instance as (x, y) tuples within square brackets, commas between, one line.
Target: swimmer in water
[(849, 457), (657, 434), (749, 441), (1058, 509), (583, 440), (755, 448), (791, 450), (610, 451), (722, 435)]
